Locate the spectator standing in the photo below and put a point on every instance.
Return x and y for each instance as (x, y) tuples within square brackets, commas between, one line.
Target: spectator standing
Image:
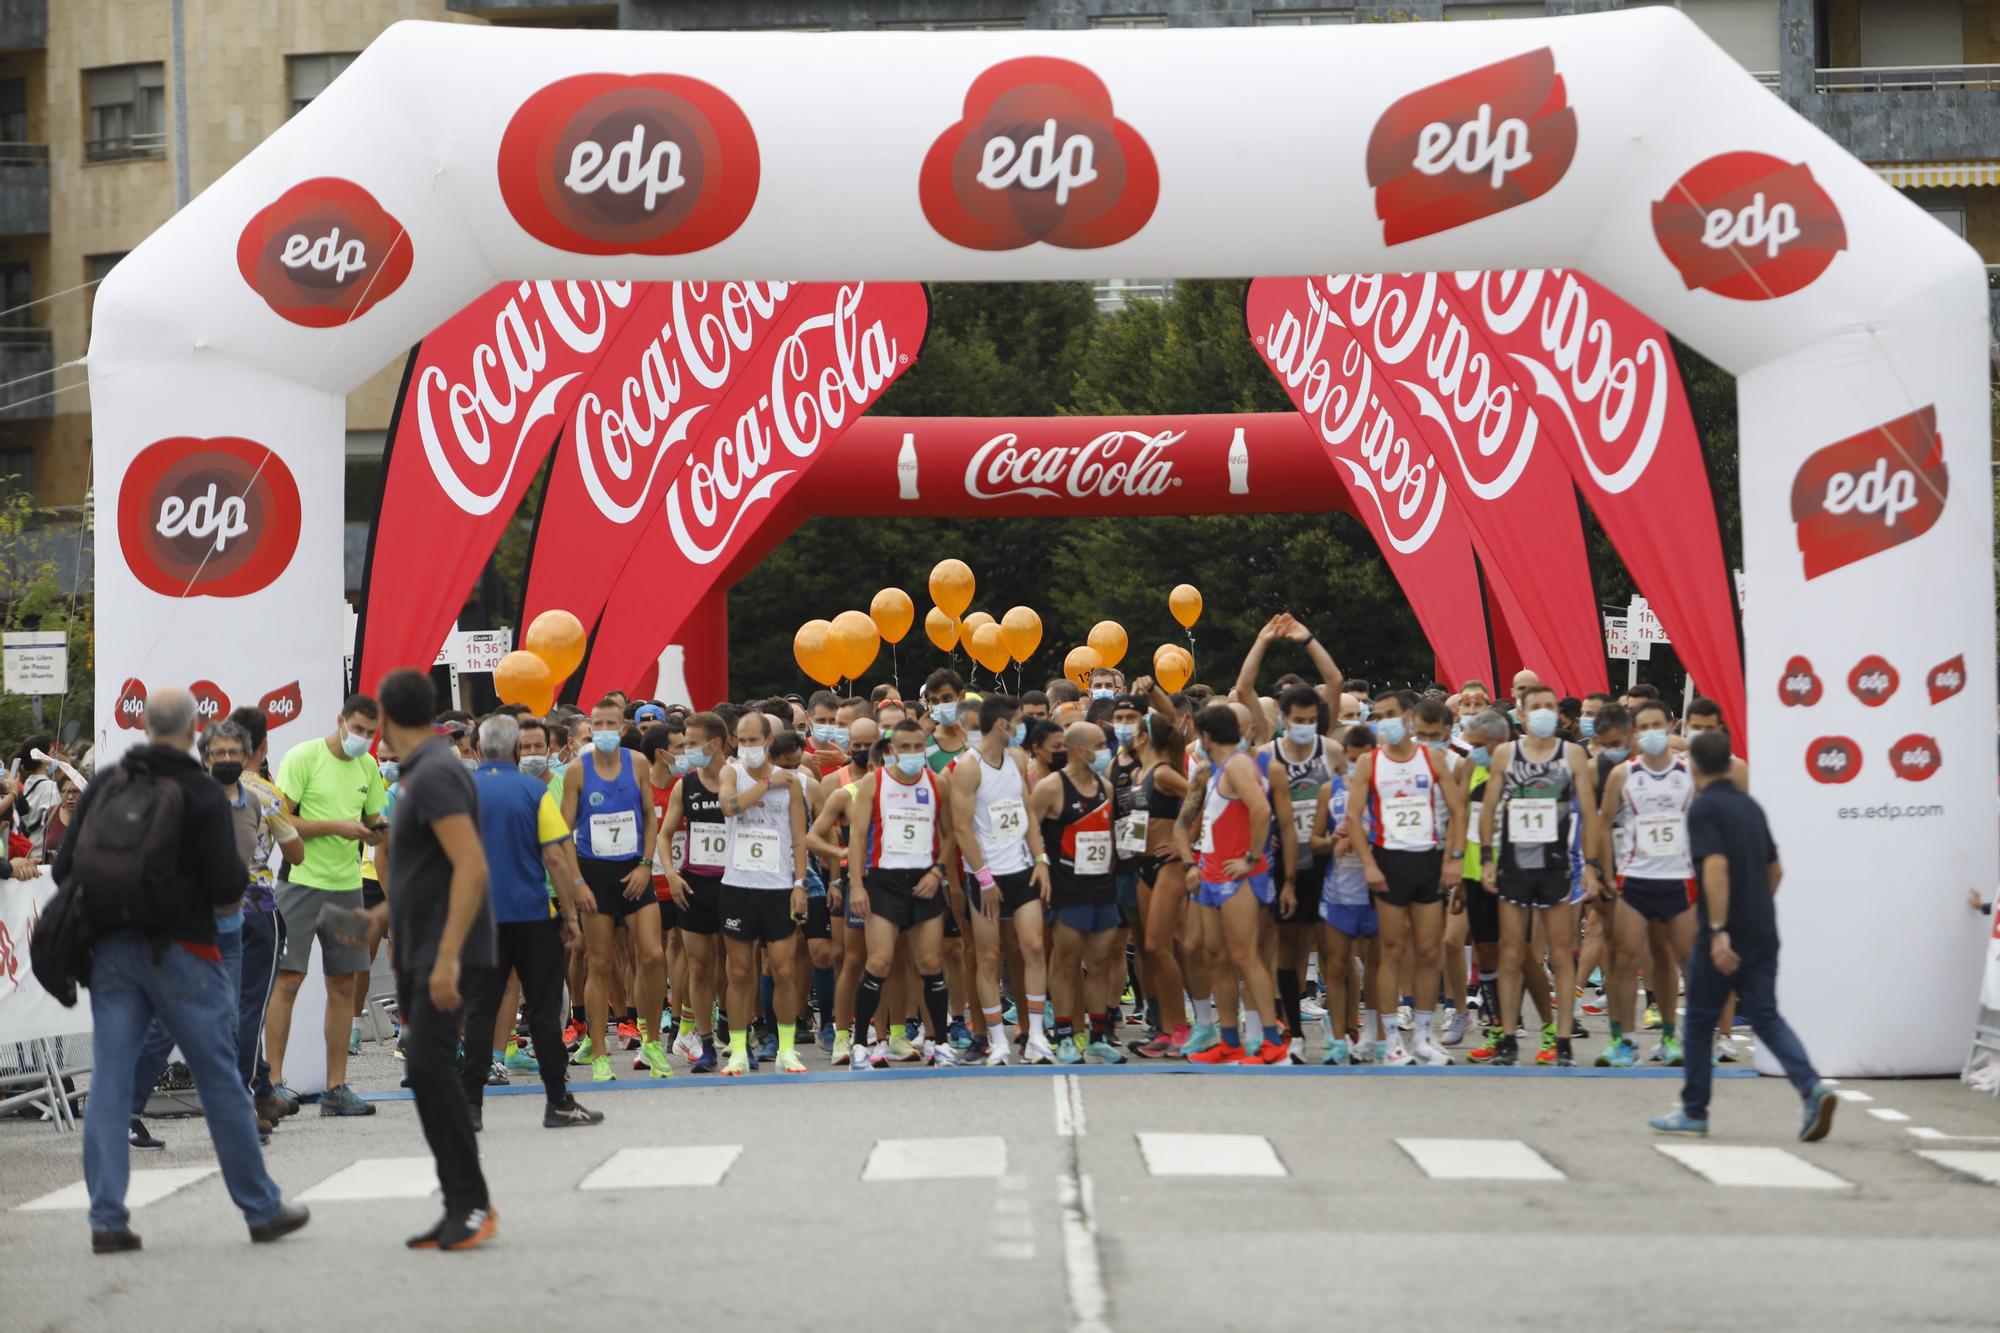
[(189, 894)]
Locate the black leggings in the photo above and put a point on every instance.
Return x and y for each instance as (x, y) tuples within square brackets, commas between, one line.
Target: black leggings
[(534, 950)]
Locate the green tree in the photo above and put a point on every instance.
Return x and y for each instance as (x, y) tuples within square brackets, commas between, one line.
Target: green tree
[(32, 598)]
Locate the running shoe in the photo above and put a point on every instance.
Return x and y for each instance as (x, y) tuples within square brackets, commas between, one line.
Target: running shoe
[(1007, 1014), (959, 1034), (1620, 1054), (1311, 1008), (1506, 1051), (1128, 999), (139, 1137), (496, 1074), (1104, 1053), (912, 1029), (354, 1041), (1178, 1037), (687, 1045), (1596, 978), (1366, 1052), (767, 1050), (1546, 1056), (900, 1049), (1596, 1008), (1068, 1052), (284, 1094), (1037, 1052), (1271, 1053), (1652, 1020), (1430, 1053), (630, 1032), (583, 1053), (879, 1055), (1218, 1054), (343, 1101), (1480, 1055), (738, 1066), (705, 1062), (941, 1055), (658, 1062), (518, 1058), (789, 1063), (1454, 1028), (600, 1070), (1406, 1019), (1397, 1055), (998, 1054), (1577, 1031), (572, 1033), (857, 1055), (1157, 1048), (843, 1047), (1253, 1039), (1295, 1051), (467, 1229), (1336, 1052), (1819, 1106), (1679, 1123), (1201, 1037), (1562, 1061), (1725, 1050), (570, 1115), (1668, 1052), (826, 1036)]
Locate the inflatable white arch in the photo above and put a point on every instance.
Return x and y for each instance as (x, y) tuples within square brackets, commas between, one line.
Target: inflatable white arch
[(1623, 144)]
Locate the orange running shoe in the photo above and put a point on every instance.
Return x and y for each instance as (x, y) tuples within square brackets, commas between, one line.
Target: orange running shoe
[(1219, 1054), (1277, 1052)]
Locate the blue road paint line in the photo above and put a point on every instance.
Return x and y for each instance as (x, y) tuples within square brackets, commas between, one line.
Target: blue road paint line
[(853, 1077)]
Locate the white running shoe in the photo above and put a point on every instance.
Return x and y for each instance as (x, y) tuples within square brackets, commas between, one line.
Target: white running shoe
[(1454, 1028), (1430, 1053), (878, 1055), (940, 1055), (1363, 1052), (1297, 1052), (857, 1056), (1398, 1054), (1039, 1052), (687, 1046), (1311, 1008), (1405, 1018), (998, 1053)]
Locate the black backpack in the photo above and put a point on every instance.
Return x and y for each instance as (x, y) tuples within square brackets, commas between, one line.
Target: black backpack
[(127, 859)]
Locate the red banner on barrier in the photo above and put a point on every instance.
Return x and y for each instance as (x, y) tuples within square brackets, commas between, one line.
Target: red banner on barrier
[(1402, 496), (1606, 390), (482, 401), (837, 348)]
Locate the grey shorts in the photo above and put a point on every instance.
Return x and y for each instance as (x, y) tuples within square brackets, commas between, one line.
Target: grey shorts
[(300, 905)]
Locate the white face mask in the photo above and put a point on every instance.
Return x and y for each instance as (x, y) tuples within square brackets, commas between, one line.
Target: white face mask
[(751, 755)]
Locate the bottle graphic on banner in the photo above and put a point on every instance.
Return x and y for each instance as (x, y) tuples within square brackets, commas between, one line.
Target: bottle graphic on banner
[(1239, 464), (906, 468), (673, 685)]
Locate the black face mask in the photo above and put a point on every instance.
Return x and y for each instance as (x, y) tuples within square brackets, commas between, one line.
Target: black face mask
[(226, 774), (1059, 759)]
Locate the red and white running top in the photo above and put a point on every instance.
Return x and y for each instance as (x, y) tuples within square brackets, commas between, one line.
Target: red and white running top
[(1407, 802)]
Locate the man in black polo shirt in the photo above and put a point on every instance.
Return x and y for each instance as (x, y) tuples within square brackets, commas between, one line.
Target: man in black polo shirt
[(1737, 949), (442, 934)]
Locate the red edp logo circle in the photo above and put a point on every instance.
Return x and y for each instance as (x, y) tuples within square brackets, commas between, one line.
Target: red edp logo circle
[(1748, 226), (207, 517), (324, 253), (1833, 759)]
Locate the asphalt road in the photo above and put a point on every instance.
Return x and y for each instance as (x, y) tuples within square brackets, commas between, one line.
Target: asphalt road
[(1037, 1200)]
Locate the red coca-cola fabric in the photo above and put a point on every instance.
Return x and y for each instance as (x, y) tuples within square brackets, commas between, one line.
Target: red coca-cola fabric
[(482, 402), (1378, 449), (837, 347), (1604, 386)]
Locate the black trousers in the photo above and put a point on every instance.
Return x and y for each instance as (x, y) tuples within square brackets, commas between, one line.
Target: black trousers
[(534, 950), (430, 1044)]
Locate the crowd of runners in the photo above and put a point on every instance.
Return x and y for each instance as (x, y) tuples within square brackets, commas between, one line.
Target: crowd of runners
[(1093, 871)]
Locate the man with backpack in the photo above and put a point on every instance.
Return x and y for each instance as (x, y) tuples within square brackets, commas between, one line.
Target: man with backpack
[(154, 864)]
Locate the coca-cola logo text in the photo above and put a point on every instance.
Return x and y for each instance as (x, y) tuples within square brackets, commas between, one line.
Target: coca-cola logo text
[(1038, 156), (1873, 681), (1102, 468), (1869, 492), (323, 253), (1946, 679), (628, 433), (825, 372), (475, 424), (1470, 147), (207, 518), (1915, 757), (1748, 226), (1799, 687), (1833, 759), (644, 164), (130, 710)]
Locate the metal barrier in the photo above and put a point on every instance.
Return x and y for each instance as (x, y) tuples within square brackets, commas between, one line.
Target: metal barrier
[(39, 1075)]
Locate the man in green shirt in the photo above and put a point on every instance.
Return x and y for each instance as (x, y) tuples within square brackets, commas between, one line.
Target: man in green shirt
[(334, 796)]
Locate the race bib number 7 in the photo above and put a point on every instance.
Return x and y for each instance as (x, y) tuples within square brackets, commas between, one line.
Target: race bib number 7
[(614, 837)]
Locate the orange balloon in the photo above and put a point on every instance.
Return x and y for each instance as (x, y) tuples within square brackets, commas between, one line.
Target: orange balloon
[(951, 586), (1108, 638), (970, 624), (852, 643), (557, 638), (1185, 602), (942, 629), (524, 678), (1173, 667), (1021, 629), (1080, 663), (809, 647), (893, 614), (989, 648)]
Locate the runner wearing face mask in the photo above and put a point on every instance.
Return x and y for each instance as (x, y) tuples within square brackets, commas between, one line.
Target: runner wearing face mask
[(763, 888), (1045, 750), (694, 821), (942, 693), (1074, 809), (1346, 916), (830, 737), (1162, 887), (827, 839)]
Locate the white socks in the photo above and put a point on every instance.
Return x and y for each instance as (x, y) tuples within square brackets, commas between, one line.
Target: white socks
[(1204, 1011), (1035, 1004)]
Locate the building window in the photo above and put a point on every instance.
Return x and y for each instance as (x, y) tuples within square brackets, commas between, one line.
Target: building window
[(17, 469), (17, 296), (1301, 18), (128, 112), (13, 118), (95, 269), (1130, 21), (309, 75)]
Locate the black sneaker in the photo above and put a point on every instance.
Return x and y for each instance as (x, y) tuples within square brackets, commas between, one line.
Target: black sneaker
[(139, 1137), (291, 1216), (427, 1240), (1508, 1053), (467, 1228), (113, 1242), (570, 1115)]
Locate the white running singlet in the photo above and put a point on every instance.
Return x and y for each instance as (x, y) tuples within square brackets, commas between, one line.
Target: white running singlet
[(1000, 815), (1653, 814), (760, 839)]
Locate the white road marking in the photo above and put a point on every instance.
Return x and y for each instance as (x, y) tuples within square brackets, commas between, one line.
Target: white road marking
[(1479, 1159), (975, 1157), (1764, 1168), (664, 1168), (1853, 1095), (1938, 1135), (1982, 1166), (1081, 1268), (1011, 1249), (147, 1186), (378, 1178), (1210, 1155), (1070, 1120), (1884, 1113)]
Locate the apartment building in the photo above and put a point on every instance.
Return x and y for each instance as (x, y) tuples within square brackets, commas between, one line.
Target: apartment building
[(113, 112)]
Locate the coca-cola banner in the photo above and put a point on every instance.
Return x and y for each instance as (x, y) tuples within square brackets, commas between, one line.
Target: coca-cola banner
[(837, 347), (483, 400), (636, 428), (1481, 433), (1606, 394), (1403, 497)]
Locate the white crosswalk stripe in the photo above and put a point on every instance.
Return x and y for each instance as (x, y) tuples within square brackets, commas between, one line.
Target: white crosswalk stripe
[(147, 1186), (1210, 1155), (975, 1157), (664, 1168), (1765, 1168), (377, 1178), (1982, 1166), (1479, 1159)]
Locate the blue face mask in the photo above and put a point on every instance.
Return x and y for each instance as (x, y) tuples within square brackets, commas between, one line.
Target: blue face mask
[(1542, 723), (945, 714), (391, 770), (1480, 756), (1104, 694), (352, 745), (1100, 763), (1617, 754), (1020, 734), (557, 770), (535, 765), (823, 731), (1653, 742), (604, 741), (1301, 733), (841, 736), (1125, 731), (1391, 731), (1586, 727), (909, 765), (692, 760)]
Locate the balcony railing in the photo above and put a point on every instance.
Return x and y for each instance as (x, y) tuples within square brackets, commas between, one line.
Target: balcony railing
[(1906, 78), (13, 154), (24, 190), (125, 149), (26, 356)]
